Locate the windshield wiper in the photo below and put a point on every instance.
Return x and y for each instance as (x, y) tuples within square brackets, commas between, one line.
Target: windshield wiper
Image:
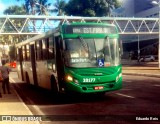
[(95, 48), (84, 44), (106, 38)]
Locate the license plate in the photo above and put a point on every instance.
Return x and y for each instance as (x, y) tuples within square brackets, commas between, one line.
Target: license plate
[(98, 87)]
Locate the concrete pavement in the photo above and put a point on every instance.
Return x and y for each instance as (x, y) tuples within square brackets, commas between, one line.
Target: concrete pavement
[(132, 67), (12, 104)]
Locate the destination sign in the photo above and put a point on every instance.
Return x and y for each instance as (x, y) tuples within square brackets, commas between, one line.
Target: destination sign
[(89, 29)]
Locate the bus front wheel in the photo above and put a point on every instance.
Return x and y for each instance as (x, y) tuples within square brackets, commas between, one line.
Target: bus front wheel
[(54, 87)]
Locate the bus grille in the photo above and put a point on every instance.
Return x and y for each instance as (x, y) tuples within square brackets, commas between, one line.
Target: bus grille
[(91, 83), (93, 74)]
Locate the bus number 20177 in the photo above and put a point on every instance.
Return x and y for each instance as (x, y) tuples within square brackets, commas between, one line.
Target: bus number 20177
[(89, 79)]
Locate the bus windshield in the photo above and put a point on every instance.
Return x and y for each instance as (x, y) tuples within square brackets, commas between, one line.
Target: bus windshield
[(90, 52)]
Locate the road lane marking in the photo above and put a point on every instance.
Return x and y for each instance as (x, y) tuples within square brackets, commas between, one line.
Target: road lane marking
[(157, 85), (126, 89), (125, 95), (128, 81)]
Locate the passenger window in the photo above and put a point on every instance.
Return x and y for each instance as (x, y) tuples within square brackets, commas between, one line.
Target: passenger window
[(27, 53), (39, 50), (51, 48)]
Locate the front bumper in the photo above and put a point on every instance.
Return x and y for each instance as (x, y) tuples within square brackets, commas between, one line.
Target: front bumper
[(90, 88)]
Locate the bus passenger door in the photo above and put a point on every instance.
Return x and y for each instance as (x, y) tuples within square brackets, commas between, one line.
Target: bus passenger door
[(20, 62), (33, 65), (59, 63)]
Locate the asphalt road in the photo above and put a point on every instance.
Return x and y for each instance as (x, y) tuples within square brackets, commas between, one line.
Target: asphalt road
[(137, 100)]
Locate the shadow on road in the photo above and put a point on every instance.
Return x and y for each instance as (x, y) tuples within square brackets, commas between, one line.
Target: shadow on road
[(39, 96)]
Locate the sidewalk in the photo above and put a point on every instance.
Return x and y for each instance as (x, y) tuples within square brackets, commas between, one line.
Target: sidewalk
[(12, 105), (132, 67)]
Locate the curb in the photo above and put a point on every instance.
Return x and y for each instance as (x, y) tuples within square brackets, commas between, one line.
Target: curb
[(142, 74)]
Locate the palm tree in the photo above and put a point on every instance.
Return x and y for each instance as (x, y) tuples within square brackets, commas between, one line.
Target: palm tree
[(112, 4), (43, 7), (29, 6), (59, 6), (39, 7)]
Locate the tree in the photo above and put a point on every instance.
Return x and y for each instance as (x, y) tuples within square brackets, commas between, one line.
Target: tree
[(30, 7), (12, 10), (12, 39), (18, 23), (112, 4), (43, 7), (90, 7), (59, 7), (34, 7)]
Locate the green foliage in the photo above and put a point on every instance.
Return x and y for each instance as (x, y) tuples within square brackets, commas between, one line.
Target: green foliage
[(13, 39), (73, 7), (18, 23), (15, 10), (34, 7), (42, 7), (59, 7), (90, 7)]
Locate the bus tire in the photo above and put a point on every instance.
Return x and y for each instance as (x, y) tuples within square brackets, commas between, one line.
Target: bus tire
[(54, 87), (27, 78)]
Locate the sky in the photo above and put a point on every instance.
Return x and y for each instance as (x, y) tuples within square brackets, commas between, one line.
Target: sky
[(4, 4)]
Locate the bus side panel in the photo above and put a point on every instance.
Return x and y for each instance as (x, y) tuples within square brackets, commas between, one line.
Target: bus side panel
[(27, 70), (42, 74)]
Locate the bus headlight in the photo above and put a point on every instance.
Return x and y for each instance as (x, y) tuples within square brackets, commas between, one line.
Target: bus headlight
[(118, 77), (69, 78)]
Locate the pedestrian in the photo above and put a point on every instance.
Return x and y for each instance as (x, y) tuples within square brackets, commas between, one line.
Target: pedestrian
[(0, 94), (1, 79), (5, 75)]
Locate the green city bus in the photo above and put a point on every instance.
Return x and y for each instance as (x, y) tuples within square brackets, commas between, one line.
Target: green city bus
[(83, 57)]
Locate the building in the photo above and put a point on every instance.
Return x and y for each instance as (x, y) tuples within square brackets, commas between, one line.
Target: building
[(136, 8), (140, 9)]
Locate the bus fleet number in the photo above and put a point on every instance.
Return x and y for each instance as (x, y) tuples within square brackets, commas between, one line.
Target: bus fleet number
[(89, 79)]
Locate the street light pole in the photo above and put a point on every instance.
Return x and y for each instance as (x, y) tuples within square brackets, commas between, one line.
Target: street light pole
[(158, 3)]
